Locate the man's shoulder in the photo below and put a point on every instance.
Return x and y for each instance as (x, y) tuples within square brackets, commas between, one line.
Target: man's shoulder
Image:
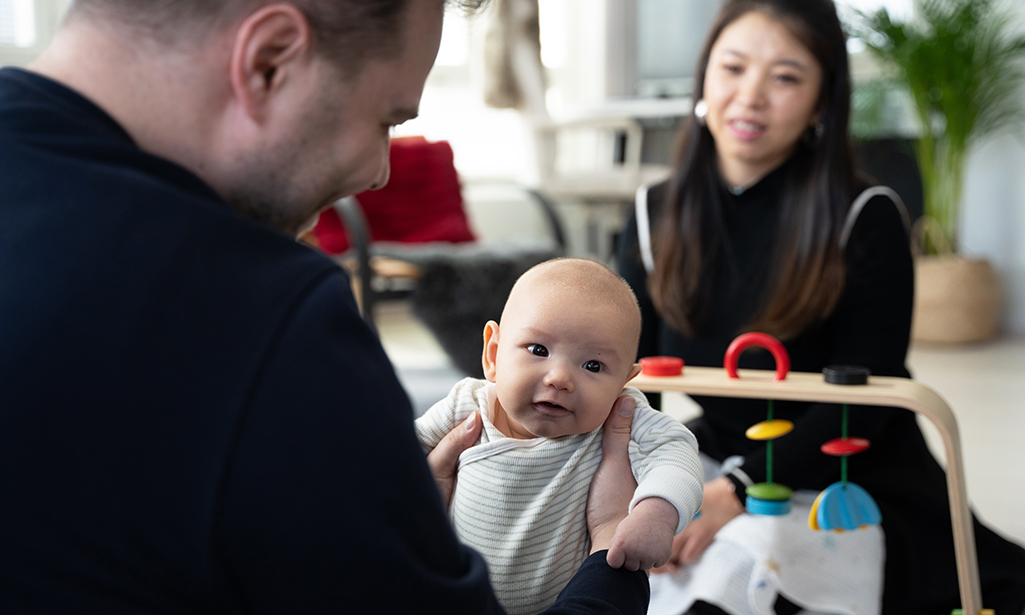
[(136, 249), (76, 182)]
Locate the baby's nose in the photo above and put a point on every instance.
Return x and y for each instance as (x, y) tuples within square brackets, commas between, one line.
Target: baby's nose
[(559, 376)]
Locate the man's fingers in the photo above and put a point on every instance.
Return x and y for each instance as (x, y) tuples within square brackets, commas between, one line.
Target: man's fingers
[(616, 436), (446, 454), (445, 457), (613, 483)]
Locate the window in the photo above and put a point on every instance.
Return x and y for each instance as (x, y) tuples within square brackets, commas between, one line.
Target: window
[(491, 142), (26, 26), (900, 9), (17, 23), (486, 142)]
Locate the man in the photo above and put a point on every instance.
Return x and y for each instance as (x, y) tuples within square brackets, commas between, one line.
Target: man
[(193, 417)]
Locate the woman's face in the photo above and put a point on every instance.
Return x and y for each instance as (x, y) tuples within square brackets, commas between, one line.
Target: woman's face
[(762, 90)]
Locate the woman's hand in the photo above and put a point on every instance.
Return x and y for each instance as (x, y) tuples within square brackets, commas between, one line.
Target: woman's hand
[(444, 459), (719, 507), (613, 484)]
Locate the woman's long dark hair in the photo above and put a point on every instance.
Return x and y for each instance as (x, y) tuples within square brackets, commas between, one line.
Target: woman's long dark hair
[(807, 270)]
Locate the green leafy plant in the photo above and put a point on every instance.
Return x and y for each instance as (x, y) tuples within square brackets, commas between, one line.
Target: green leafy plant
[(965, 72)]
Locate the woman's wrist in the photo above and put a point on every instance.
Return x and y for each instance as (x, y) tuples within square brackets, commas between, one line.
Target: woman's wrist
[(721, 493), (739, 487)]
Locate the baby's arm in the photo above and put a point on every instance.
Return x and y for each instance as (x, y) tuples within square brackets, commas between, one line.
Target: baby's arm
[(664, 457), (644, 539), (445, 415)]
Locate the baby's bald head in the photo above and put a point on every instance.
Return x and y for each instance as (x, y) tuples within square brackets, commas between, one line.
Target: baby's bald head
[(578, 284), (565, 348)]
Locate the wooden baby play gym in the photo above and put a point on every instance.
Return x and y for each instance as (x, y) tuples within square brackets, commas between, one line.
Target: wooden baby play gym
[(843, 505)]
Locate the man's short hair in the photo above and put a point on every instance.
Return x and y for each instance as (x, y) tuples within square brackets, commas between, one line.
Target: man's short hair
[(348, 31)]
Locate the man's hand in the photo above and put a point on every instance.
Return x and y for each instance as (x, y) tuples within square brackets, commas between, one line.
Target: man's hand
[(645, 538), (444, 459), (719, 507), (613, 484)]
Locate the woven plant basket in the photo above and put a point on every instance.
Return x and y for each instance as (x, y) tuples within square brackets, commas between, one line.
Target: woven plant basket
[(957, 300)]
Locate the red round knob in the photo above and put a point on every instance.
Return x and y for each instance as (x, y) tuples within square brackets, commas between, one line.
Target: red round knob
[(661, 366)]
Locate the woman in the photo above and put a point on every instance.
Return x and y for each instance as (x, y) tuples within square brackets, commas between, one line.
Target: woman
[(749, 235)]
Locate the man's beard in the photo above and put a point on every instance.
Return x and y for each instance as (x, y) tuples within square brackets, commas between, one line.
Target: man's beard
[(277, 213), (269, 192)]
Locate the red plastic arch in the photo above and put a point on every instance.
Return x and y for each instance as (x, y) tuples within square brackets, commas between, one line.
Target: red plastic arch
[(764, 340)]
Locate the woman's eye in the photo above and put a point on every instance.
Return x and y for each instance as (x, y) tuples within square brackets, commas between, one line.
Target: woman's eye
[(787, 79), (592, 366), (538, 350), (732, 68)]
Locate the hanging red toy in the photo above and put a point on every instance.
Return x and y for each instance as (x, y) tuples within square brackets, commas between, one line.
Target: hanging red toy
[(844, 506)]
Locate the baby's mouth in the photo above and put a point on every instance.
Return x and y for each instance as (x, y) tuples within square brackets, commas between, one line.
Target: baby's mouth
[(547, 407)]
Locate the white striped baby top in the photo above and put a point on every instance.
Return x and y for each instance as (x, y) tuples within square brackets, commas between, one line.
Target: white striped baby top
[(521, 503)]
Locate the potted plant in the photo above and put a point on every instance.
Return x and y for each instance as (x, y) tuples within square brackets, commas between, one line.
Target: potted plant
[(964, 71)]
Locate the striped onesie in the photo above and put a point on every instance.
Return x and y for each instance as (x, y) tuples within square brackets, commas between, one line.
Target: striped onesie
[(521, 503)]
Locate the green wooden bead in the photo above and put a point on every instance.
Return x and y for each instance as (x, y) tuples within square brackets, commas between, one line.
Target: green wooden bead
[(773, 493)]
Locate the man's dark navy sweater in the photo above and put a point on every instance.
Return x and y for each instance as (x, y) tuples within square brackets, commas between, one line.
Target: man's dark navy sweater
[(193, 416)]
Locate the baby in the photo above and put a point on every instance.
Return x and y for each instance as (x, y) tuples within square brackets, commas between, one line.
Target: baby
[(569, 335)]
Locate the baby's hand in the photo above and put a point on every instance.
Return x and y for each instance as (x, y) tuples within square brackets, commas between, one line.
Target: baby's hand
[(644, 539)]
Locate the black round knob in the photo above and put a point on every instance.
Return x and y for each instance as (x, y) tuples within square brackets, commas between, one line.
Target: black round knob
[(846, 374)]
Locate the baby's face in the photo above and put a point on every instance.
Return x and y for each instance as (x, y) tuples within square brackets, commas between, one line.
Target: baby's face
[(561, 364)]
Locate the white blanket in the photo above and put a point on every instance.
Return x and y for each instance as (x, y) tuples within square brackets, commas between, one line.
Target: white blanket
[(755, 558)]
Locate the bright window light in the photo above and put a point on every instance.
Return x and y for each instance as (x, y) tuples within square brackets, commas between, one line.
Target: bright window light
[(455, 41), (553, 16), (17, 23), (898, 9), (486, 142)]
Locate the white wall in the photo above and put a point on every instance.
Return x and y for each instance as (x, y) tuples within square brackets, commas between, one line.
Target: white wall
[(993, 211), (993, 219)]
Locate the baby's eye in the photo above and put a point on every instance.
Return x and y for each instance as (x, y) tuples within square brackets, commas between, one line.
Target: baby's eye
[(538, 350), (592, 366)]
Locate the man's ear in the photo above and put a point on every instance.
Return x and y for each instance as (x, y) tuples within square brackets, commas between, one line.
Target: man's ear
[(269, 49), (636, 369), (489, 358)]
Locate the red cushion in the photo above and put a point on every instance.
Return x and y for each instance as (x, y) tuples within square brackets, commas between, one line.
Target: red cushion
[(422, 201)]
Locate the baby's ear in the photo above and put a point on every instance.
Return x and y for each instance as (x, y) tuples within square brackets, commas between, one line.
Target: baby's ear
[(636, 369), (489, 358)]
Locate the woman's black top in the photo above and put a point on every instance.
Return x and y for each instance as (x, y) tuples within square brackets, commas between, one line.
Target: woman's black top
[(870, 327)]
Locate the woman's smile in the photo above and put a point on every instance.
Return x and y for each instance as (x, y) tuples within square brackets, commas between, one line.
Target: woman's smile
[(746, 130)]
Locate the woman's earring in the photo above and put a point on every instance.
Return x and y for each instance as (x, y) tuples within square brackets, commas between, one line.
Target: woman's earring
[(813, 136), (700, 111)]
